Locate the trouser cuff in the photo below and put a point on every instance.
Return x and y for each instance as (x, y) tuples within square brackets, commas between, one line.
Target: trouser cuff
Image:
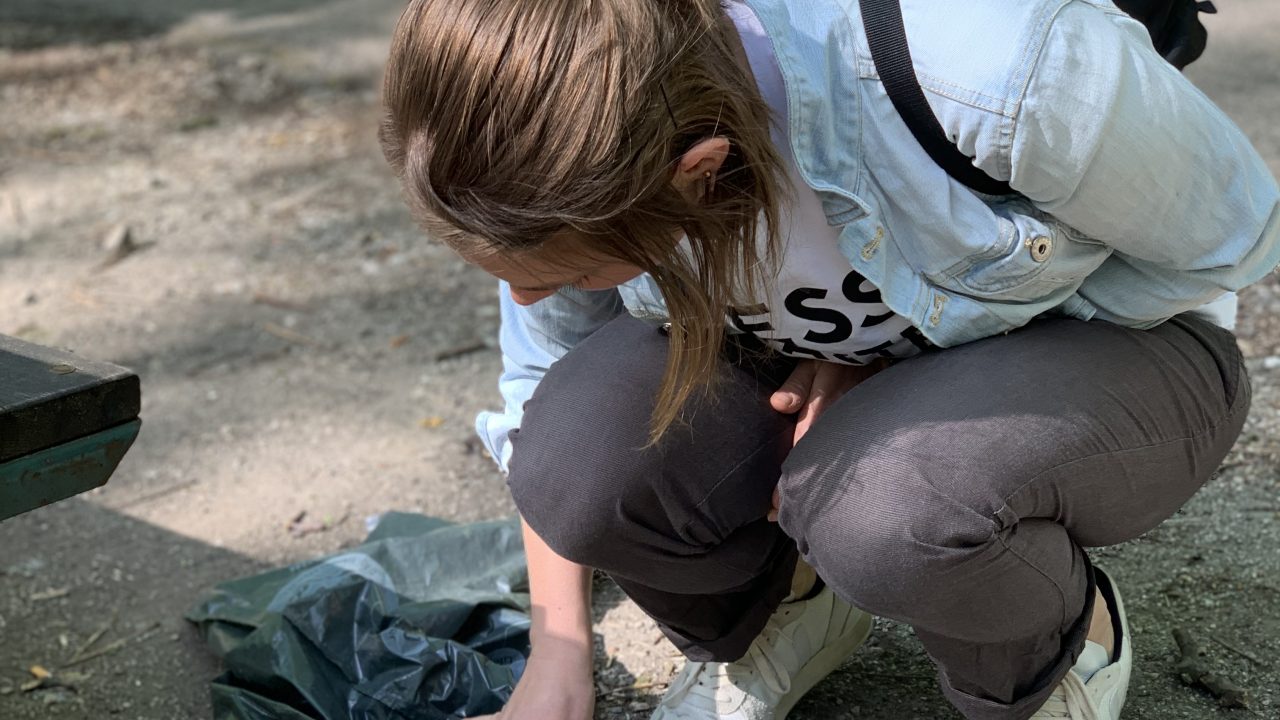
[(734, 644), (977, 708)]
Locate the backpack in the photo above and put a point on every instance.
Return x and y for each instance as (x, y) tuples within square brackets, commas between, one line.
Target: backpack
[(1176, 32)]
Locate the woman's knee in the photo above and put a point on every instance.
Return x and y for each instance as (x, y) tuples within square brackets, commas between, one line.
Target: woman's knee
[(575, 516), (880, 534), (886, 540), (571, 492), (582, 436), (587, 479), (881, 562)]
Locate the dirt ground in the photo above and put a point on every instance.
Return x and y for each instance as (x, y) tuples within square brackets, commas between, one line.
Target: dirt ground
[(288, 323)]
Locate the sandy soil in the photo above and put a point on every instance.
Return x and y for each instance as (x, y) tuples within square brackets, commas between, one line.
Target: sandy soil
[(287, 320)]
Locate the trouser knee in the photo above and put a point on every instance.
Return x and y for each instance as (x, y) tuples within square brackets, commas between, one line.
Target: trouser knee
[(579, 458), (888, 546), (583, 473), (589, 483)]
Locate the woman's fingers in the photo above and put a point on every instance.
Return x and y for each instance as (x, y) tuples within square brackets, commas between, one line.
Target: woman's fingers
[(794, 392), (812, 388), (830, 381), (791, 398)]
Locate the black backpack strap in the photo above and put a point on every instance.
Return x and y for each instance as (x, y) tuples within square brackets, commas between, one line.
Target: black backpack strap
[(887, 38), (1174, 25), (1175, 29)]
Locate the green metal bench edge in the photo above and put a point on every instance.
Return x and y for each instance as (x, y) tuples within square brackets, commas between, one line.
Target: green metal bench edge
[(68, 469)]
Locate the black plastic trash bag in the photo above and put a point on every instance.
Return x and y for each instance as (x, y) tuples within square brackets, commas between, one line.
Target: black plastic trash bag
[(425, 621)]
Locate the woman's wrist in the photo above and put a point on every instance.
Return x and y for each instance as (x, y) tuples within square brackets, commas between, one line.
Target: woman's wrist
[(574, 656), (564, 626)]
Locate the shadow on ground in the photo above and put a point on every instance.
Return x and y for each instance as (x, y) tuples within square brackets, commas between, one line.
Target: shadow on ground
[(70, 570)]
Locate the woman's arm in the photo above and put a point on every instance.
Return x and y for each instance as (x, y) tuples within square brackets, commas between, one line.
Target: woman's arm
[(532, 338), (561, 594), (557, 681), (1115, 142)]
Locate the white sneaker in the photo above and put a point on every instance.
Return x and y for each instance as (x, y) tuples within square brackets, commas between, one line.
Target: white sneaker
[(801, 644), (1102, 697)]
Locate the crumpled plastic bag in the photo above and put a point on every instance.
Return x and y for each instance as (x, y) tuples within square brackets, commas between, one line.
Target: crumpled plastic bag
[(425, 621)]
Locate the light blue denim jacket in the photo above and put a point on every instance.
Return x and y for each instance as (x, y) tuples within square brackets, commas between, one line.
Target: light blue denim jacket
[(1140, 198)]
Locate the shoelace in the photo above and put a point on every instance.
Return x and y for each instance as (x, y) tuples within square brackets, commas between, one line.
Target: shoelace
[(1069, 700), (705, 680)]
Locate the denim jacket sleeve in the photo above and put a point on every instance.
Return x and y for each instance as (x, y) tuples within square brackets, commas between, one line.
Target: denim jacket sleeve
[(532, 338), (1117, 144)]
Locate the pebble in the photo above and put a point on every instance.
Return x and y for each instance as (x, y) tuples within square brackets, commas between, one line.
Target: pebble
[(119, 239)]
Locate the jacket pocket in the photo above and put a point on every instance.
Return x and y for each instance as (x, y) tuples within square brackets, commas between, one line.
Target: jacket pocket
[(1038, 258)]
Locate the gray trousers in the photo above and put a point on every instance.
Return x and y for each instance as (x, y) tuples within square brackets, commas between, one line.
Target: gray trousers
[(954, 491)]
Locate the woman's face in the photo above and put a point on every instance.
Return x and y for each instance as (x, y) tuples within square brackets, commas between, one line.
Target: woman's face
[(559, 263), (568, 260)]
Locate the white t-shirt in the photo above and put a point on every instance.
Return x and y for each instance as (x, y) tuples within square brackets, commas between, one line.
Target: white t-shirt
[(817, 306)]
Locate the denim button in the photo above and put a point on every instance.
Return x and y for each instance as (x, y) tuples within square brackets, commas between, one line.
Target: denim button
[(1041, 246), (869, 250), (939, 302)]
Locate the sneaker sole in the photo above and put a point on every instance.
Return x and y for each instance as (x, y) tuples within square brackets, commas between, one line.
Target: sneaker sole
[(823, 664)]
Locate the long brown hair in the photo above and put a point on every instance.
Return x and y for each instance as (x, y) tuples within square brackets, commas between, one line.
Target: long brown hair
[(509, 121)]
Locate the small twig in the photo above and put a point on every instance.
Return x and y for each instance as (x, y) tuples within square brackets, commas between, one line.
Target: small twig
[(261, 298), (104, 650), (298, 528), (461, 351), (1242, 653), (632, 688), (95, 637), (301, 197), (157, 494), (113, 647), (1192, 671), (50, 594), (227, 358), (292, 336)]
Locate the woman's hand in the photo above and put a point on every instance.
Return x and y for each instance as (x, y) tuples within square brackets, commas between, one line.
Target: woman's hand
[(556, 683), (812, 388)]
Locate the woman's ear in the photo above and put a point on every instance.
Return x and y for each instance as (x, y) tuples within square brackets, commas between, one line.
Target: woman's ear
[(697, 170)]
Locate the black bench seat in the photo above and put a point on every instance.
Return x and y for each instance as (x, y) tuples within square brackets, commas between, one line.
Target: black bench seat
[(65, 423)]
